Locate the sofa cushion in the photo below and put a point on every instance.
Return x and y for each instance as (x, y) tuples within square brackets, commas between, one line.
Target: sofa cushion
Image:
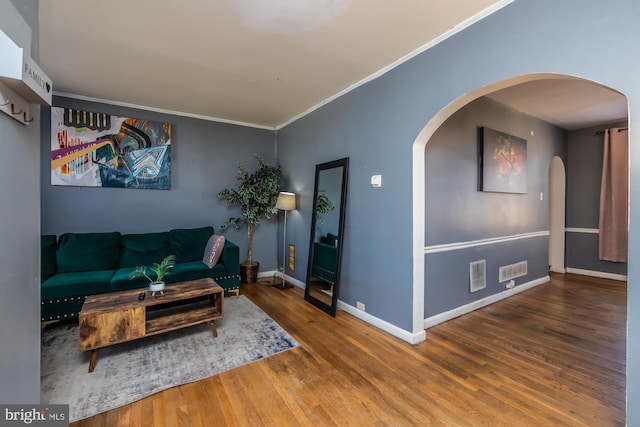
[(120, 280), (213, 250), (47, 256), (87, 252), (188, 244), (143, 249), (75, 284), (324, 261), (194, 270)]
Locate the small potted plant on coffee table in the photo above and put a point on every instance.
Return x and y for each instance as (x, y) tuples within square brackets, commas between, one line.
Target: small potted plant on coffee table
[(160, 269)]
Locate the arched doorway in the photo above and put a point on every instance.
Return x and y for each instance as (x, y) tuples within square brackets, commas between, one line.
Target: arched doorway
[(557, 190), (419, 186)]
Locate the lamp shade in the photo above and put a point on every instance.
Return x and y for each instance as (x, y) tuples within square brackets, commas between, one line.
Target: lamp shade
[(286, 201)]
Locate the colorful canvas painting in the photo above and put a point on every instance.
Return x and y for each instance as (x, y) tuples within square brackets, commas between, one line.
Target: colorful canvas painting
[(100, 150), (504, 162)]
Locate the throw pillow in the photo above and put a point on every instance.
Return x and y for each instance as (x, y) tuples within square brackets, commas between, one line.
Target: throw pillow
[(213, 250)]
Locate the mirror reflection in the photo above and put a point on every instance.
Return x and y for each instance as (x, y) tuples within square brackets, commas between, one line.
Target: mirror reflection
[(326, 235)]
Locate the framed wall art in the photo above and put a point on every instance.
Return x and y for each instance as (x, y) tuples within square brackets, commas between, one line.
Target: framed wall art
[(503, 162), (100, 150)]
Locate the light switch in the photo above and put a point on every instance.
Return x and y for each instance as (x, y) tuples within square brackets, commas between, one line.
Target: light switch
[(541, 195), (376, 180)]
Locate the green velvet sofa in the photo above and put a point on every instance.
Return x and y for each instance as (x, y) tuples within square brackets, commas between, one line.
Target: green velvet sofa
[(74, 266)]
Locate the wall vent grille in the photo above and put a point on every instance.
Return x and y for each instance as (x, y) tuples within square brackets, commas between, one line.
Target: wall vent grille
[(512, 271), (477, 275)]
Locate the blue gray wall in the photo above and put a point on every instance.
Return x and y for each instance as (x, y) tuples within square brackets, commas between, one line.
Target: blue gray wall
[(20, 231), (456, 212), (204, 159), (376, 126), (584, 175), (447, 273)]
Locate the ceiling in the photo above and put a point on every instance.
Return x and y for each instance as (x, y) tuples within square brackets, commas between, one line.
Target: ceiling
[(565, 102), (264, 63)]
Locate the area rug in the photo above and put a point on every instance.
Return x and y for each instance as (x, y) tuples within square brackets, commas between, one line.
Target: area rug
[(130, 371)]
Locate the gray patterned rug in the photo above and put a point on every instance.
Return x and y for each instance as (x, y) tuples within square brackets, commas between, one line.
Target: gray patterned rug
[(128, 372)]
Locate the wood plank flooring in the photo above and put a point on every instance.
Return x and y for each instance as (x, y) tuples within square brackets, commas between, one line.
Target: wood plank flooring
[(550, 356)]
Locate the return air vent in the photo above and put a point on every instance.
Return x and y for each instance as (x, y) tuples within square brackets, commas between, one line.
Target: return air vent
[(477, 275), (512, 271)]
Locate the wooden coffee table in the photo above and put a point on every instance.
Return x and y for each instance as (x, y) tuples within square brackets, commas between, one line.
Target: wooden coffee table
[(119, 317)]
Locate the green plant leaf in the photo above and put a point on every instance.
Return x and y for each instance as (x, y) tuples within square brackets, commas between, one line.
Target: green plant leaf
[(256, 194), (161, 269)]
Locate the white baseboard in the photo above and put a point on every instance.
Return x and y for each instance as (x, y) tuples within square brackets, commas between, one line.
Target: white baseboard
[(262, 275), (468, 308), (412, 338), (600, 274), (372, 320), (274, 273), (294, 281)]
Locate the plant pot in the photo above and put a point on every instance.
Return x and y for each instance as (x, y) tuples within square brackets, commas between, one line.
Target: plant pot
[(156, 287), (249, 272)]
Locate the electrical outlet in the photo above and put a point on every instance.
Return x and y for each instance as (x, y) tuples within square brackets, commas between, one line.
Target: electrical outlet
[(510, 284), (360, 305)]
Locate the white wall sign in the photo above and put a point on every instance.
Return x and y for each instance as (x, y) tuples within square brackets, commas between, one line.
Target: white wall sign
[(21, 73)]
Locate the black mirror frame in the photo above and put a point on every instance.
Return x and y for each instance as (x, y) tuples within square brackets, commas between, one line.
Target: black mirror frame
[(344, 163)]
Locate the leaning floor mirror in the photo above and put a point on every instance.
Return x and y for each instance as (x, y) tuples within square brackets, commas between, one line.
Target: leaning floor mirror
[(327, 235)]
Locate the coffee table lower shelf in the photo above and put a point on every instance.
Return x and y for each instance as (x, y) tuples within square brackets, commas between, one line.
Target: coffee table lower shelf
[(120, 317)]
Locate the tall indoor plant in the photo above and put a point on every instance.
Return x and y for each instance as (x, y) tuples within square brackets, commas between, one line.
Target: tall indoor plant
[(257, 193)]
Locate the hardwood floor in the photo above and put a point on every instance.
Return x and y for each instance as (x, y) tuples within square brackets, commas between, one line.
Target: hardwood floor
[(550, 356)]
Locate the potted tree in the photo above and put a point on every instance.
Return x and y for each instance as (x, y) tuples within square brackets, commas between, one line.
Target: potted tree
[(257, 193), (160, 269)]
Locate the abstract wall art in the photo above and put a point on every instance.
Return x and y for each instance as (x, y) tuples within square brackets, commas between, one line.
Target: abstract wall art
[(100, 150), (503, 162)]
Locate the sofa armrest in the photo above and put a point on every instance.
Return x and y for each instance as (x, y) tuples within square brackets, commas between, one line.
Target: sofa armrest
[(230, 258)]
